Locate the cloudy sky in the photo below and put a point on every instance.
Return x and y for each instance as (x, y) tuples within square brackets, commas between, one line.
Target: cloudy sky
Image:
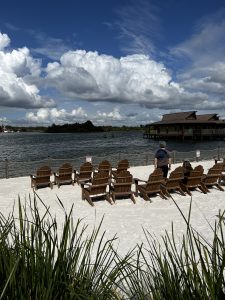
[(114, 62)]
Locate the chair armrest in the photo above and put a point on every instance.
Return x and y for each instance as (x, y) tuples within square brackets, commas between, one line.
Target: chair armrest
[(121, 184), (136, 180), (83, 183)]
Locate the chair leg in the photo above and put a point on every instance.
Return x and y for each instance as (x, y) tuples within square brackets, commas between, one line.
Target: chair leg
[(113, 197), (203, 188), (219, 187), (88, 198), (185, 189), (132, 198), (136, 190), (90, 201), (108, 199), (165, 191), (145, 197), (162, 195), (82, 194), (181, 192)]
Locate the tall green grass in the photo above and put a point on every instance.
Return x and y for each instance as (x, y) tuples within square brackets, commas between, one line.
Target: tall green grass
[(192, 269), (36, 262), (39, 260)]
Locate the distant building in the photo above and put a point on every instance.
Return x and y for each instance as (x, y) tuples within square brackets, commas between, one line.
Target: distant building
[(187, 125)]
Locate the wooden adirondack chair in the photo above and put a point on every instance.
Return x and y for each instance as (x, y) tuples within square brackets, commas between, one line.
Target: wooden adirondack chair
[(123, 165), (212, 178), (173, 182), (152, 186), (64, 175), (96, 188), (121, 186), (42, 178), (194, 181), (85, 173)]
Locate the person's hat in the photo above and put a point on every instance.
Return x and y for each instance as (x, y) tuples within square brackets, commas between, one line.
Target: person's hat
[(162, 144)]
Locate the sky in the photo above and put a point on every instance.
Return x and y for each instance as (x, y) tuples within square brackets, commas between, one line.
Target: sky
[(114, 62)]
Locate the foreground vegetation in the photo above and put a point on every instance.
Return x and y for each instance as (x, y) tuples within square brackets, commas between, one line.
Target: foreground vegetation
[(39, 259)]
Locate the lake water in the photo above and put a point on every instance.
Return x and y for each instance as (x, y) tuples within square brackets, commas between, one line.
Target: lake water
[(28, 148)]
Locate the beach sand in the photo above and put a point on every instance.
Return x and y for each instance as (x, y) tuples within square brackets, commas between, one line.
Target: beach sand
[(124, 219)]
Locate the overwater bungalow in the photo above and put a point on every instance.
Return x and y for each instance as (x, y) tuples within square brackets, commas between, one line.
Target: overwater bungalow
[(187, 125)]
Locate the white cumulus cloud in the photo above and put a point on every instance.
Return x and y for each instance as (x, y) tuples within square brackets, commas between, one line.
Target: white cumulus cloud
[(58, 116), (4, 40), (17, 67), (93, 77), (112, 116)]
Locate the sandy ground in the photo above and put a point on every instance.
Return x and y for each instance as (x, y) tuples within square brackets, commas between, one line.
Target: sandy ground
[(124, 218)]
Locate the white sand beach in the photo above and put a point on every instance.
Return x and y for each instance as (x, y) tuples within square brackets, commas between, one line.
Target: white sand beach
[(124, 218)]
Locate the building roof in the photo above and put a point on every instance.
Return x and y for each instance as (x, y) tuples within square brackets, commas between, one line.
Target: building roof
[(208, 117), (188, 117)]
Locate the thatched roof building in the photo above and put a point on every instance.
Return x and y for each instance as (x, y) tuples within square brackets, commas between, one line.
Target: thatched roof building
[(187, 125)]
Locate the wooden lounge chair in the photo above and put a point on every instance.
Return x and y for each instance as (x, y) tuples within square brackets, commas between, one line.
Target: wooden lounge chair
[(104, 166), (42, 178), (64, 175), (85, 173), (212, 178), (123, 165), (121, 186), (152, 186), (173, 182), (96, 188), (194, 181)]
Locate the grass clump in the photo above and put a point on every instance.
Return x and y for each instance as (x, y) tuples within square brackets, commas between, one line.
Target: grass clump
[(35, 263), (192, 269), (39, 260)]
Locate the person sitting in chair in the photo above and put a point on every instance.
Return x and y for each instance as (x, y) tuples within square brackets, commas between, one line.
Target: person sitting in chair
[(187, 168)]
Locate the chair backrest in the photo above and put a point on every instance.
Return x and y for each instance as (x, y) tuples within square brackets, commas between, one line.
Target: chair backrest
[(197, 171), (99, 183), (104, 166), (212, 176), (122, 165), (123, 181), (174, 179), (87, 166), (195, 176), (44, 171), (177, 173), (65, 169), (218, 167), (43, 176), (156, 175), (86, 170), (153, 186)]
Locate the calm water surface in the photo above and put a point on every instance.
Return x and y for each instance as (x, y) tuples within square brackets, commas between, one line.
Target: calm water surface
[(39, 146)]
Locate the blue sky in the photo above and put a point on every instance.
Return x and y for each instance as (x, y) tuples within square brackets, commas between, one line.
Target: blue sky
[(113, 62)]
